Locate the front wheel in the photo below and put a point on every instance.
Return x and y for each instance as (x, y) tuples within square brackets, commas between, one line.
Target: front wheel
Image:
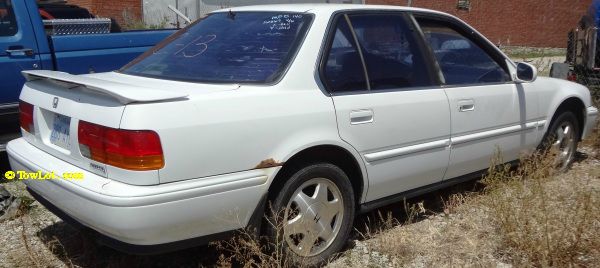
[(562, 139), (315, 211)]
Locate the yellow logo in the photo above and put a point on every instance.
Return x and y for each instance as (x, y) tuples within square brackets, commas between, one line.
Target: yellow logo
[(39, 175), (9, 175)]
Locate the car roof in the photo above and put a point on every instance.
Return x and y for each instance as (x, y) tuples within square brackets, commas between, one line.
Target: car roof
[(322, 8)]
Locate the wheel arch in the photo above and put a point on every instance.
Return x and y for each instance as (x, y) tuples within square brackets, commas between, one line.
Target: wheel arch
[(573, 104), (345, 158)]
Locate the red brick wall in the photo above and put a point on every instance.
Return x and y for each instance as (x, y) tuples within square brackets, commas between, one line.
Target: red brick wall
[(538, 23), (113, 9)]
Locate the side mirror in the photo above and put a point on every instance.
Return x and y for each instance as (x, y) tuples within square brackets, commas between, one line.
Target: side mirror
[(526, 73)]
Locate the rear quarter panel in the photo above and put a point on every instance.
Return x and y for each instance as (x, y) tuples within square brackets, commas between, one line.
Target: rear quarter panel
[(235, 131)]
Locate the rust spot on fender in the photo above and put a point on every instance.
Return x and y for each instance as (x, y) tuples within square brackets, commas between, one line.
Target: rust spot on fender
[(268, 163)]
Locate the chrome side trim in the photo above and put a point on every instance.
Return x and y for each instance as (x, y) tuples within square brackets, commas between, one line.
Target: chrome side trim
[(9, 105), (542, 123), (381, 155), (496, 132), (590, 121), (9, 109), (377, 156), (592, 111)]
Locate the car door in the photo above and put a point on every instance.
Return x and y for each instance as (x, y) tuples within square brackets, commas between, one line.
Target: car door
[(18, 51), (388, 104), (489, 111)]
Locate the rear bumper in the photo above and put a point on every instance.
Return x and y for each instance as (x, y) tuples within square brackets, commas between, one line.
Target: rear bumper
[(144, 215), (590, 122)]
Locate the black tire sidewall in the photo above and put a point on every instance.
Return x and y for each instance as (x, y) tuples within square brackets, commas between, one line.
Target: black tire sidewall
[(319, 170)]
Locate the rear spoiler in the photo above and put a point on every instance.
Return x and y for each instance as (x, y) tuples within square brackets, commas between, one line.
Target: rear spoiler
[(125, 93)]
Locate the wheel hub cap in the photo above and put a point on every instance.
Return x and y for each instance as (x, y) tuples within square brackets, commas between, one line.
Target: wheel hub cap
[(563, 145), (313, 217)]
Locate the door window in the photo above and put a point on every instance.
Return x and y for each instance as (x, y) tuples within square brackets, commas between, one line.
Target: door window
[(344, 70), (380, 44), (8, 22), (461, 60), (392, 57)]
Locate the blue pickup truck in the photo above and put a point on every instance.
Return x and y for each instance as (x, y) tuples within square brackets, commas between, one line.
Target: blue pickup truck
[(25, 44)]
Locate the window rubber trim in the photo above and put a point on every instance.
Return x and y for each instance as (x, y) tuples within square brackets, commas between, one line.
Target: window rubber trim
[(359, 49)]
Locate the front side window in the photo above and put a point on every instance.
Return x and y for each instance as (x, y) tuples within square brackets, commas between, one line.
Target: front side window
[(241, 47), (461, 60), (8, 21)]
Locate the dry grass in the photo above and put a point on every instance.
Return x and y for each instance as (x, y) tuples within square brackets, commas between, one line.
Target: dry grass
[(247, 249), (528, 216), (459, 236), (546, 219)]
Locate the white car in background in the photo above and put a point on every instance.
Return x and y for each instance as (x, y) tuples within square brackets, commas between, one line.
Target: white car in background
[(322, 111)]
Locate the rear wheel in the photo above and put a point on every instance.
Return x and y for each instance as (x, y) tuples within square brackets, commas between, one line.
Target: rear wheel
[(315, 212), (562, 139)]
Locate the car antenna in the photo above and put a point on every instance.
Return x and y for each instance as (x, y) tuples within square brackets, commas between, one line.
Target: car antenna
[(231, 15)]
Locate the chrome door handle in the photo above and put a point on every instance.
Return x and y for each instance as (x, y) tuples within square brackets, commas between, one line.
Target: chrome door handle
[(466, 106), (23, 52), (363, 116)]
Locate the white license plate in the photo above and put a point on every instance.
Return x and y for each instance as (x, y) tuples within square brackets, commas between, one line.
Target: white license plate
[(60, 131)]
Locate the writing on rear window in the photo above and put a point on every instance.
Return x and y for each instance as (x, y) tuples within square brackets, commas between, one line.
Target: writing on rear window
[(282, 22), (248, 47)]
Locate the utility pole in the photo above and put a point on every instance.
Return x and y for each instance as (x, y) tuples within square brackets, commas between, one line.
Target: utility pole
[(409, 3)]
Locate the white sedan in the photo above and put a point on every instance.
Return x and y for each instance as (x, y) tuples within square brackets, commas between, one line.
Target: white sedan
[(319, 112)]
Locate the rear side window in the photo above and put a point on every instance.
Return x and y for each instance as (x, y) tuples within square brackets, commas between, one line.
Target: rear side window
[(384, 46), (461, 60), (344, 70), (390, 51), (8, 21)]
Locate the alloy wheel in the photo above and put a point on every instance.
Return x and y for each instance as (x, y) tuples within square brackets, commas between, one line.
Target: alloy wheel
[(313, 217), (564, 144)]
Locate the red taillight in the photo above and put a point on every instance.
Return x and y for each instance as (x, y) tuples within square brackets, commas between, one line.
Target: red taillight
[(26, 116), (572, 77), (127, 149)]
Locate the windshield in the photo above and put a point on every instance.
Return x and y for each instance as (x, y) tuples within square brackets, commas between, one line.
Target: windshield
[(242, 47)]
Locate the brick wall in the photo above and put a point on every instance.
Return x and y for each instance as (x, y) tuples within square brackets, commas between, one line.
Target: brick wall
[(132, 9), (538, 23)]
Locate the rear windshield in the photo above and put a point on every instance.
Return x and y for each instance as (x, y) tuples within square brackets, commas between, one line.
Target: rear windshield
[(242, 47)]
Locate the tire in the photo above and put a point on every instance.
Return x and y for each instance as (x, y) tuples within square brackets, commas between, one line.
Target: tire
[(562, 139), (559, 70), (305, 213)]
